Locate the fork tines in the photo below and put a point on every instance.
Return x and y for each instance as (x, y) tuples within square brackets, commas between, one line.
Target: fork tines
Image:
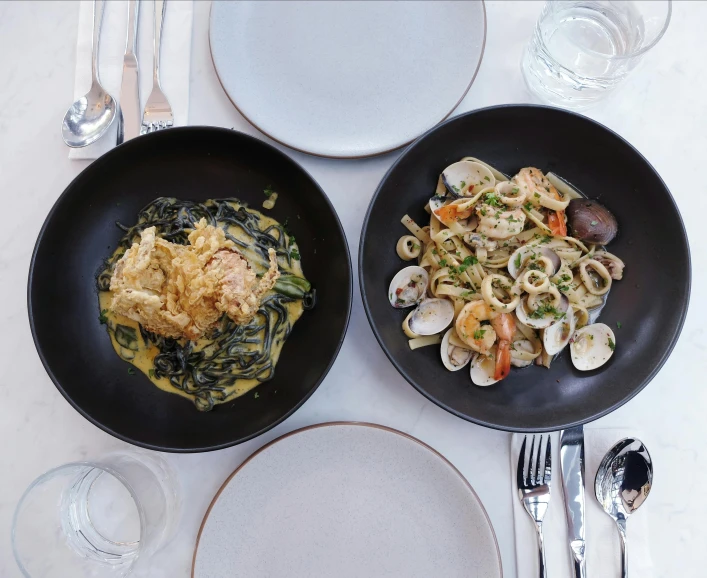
[(533, 475)]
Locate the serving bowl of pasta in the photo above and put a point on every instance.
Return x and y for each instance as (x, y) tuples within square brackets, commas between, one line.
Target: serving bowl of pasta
[(509, 268)]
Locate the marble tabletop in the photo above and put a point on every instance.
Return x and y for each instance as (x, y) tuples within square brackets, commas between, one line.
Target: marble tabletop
[(661, 110)]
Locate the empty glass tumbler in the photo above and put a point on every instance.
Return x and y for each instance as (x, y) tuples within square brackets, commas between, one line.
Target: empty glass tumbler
[(95, 519), (582, 50)]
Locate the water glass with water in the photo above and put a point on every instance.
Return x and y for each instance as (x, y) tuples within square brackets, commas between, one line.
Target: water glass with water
[(582, 50), (95, 519)]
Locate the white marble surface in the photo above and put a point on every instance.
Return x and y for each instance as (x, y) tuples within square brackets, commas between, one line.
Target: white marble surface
[(660, 110)]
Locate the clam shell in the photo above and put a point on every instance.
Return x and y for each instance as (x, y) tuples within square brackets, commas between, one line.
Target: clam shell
[(522, 345), (466, 178), (558, 335), (411, 294), (592, 346), (460, 357), (431, 316), (591, 222), (483, 369)]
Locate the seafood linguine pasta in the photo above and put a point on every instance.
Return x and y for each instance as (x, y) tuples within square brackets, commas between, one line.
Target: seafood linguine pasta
[(509, 271)]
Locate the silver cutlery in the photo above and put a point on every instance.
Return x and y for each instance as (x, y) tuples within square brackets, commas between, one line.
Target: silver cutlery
[(534, 489), (158, 113), (130, 87), (572, 467), (90, 116), (622, 484)]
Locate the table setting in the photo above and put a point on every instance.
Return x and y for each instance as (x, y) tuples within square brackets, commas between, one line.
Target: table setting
[(299, 302)]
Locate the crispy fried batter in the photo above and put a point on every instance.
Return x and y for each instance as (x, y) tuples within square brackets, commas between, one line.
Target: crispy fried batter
[(182, 290)]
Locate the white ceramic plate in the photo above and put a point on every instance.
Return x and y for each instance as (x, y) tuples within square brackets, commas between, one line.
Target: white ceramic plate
[(346, 79), (346, 501)]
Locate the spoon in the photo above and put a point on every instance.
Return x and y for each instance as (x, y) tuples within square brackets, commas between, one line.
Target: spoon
[(622, 484), (89, 117)]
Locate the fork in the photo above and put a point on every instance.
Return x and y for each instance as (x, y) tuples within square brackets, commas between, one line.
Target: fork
[(534, 490), (158, 112)]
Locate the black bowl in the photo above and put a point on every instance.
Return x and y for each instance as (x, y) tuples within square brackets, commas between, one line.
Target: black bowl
[(650, 302), (195, 163)]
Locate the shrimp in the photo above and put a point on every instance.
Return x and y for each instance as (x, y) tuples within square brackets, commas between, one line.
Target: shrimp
[(505, 327), (448, 214), (499, 223), (479, 337), (536, 185), (482, 337)]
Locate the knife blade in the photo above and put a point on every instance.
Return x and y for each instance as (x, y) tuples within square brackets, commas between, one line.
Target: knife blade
[(572, 465), (130, 88)]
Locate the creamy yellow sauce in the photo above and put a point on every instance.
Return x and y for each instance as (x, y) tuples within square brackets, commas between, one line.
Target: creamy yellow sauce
[(141, 354)]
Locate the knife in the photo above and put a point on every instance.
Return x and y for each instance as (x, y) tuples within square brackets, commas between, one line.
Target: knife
[(572, 462), (129, 89)]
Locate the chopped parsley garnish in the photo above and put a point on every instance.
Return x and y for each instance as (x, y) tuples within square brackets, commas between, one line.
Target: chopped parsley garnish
[(487, 179), (611, 344), (528, 206), (268, 191), (493, 200), (618, 324), (442, 262), (103, 317), (455, 188), (568, 278), (151, 373), (463, 184), (131, 371), (479, 333), (546, 239), (510, 219), (434, 251), (415, 247), (468, 293), (483, 212), (294, 253), (466, 263), (517, 261), (544, 311), (257, 395), (515, 190)]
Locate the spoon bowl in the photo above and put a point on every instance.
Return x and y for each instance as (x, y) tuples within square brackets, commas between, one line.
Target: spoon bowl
[(622, 484), (89, 117)]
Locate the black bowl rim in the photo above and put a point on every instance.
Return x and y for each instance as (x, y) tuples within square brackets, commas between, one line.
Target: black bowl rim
[(673, 338), (107, 157)]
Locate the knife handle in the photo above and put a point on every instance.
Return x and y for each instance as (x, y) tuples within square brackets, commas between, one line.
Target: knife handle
[(131, 38)]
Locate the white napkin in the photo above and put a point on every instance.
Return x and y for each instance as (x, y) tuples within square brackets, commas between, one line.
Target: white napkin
[(603, 552), (174, 65)]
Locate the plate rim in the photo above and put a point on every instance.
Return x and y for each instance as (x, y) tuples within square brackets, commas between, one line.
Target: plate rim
[(673, 338), (362, 424), (98, 162), (375, 153)]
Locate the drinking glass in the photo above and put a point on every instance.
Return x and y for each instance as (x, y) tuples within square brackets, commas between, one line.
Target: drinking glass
[(94, 519), (582, 50)]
